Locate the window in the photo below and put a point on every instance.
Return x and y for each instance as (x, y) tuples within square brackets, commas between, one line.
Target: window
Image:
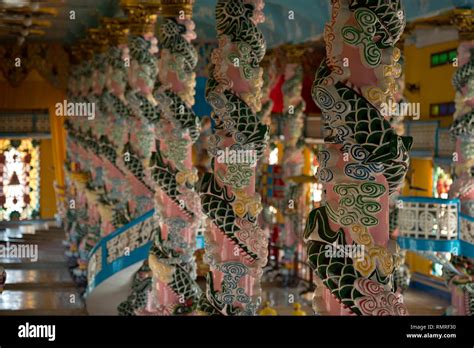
[(19, 185), (442, 58), (442, 109)]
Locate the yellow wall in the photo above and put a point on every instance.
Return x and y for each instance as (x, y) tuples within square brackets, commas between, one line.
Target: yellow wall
[(47, 196), (421, 171), (418, 264), (435, 83), (58, 137), (33, 93), (36, 93), (307, 161)]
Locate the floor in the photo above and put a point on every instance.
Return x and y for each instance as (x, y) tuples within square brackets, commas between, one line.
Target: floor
[(421, 303), (45, 287), (417, 302)]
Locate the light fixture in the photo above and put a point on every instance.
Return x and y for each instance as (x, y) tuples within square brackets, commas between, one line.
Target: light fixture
[(16, 3)]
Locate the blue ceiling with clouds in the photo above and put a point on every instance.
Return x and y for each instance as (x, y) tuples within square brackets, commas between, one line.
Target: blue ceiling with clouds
[(310, 17)]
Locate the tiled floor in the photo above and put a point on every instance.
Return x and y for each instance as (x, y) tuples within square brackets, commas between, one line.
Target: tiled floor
[(47, 301), (44, 287), (417, 302), (38, 276), (421, 303)]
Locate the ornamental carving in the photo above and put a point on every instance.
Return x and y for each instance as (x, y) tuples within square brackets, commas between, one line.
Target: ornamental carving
[(50, 60)]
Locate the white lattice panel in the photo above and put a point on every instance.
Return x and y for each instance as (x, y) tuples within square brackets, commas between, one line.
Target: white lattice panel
[(467, 230), (423, 136), (424, 220), (446, 145)]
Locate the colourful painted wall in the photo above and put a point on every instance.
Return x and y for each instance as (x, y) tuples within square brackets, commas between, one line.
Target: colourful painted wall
[(33, 94), (435, 82), (435, 87)]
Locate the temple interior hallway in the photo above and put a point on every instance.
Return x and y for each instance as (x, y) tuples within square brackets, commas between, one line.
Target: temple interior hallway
[(44, 287)]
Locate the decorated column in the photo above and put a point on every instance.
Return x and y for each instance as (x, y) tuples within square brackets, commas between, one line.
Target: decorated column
[(401, 274), (98, 214), (141, 65), (236, 247), (362, 163), (462, 130), (293, 161), (270, 77), (271, 65), (113, 141), (177, 208), (88, 207), (140, 61), (71, 216), (84, 229)]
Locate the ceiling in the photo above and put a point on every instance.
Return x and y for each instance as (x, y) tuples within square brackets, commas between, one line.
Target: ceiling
[(63, 28), (309, 18)]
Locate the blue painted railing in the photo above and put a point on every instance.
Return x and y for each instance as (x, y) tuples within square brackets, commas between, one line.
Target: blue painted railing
[(430, 141), (435, 224), (124, 247)]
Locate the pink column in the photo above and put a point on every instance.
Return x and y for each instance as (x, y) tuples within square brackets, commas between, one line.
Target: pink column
[(178, 211), (236, 247), (362, 163), (462, 294), (293, 117)]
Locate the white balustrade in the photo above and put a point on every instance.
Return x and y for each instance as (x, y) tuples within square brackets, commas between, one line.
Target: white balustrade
[(428, 218), (467, 229)]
